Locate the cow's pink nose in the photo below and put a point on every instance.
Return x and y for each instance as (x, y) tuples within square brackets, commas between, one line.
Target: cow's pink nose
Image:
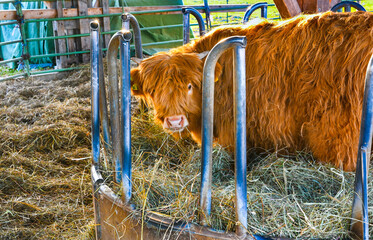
[(175, 123)]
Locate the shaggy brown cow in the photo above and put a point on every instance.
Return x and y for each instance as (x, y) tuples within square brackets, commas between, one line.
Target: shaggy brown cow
[(305, 84)]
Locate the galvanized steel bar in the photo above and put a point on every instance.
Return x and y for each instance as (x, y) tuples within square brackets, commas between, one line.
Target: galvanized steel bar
[(126, 115), (95, 103), (359, 222), (263, 13), (116, 131), (207, 128), (129, 20), (239, 89), (186, 23)]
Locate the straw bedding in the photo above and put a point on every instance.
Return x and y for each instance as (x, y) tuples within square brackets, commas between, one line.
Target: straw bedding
[(45, 189)]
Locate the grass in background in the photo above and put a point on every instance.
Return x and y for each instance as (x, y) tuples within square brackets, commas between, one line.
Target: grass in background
[(236, 18)]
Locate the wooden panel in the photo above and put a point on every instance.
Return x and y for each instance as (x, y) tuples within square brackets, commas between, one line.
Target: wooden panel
[(59, 30), (288, 8), (310, 6), (106, 20), (84, 28), (70, 31)]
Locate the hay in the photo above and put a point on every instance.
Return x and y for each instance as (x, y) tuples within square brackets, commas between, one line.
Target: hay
[(45, 189), (287, 196)]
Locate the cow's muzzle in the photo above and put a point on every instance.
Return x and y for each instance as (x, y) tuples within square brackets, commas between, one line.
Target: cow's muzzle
[(175, 123)]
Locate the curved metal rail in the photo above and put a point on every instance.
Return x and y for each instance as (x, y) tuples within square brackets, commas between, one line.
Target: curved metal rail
[(186, 23), (347, 6), (127, 21), (239, 82), (263, 6)]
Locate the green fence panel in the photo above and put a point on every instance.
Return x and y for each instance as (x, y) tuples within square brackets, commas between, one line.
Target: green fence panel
[(33, 30), (154, 35)]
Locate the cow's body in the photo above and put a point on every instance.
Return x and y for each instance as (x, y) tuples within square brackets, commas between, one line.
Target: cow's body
[(305, 84)]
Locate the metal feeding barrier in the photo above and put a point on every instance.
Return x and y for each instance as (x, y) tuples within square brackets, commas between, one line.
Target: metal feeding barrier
[(186, 23), (263, 6), (347, 6), (116, 217)]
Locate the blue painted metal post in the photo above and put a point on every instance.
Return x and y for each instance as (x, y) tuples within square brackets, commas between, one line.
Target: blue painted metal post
[(360, 222), (207, 128), (207, 12), (186, 23), (126, 114), (95, 74)]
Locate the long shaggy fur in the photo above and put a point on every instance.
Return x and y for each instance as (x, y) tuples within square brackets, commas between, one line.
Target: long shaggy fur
[(305, 84)]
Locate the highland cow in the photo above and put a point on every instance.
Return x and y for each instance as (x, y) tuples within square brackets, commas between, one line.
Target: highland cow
[(305, 85)]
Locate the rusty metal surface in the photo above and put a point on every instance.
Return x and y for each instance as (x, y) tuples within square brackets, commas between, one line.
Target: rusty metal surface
[(120, 221)]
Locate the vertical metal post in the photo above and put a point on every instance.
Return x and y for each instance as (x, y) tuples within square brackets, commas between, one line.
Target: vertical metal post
[(126, 114), (186, 28), (21, 22), (239, 89), (116, 130), (360, 222), (207, 12), (95, 123), (207, 128), (103, 103), (95, 75), (186, 23)]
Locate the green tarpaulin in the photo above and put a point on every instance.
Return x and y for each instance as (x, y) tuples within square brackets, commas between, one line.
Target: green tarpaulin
[(159, 35), (33, 30), (44, 29)]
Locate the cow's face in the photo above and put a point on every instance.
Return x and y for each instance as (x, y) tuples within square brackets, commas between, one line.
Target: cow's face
[(173, 83)]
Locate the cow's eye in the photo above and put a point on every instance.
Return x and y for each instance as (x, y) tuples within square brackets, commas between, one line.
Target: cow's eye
[(189, 86)]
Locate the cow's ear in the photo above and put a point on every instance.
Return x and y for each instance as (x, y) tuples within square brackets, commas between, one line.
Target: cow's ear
[(136, 83)]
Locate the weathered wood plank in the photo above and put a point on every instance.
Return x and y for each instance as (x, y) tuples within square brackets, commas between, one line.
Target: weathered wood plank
[(106, 21), (84, 28), (288, 8), (59, 30), (72, 47)]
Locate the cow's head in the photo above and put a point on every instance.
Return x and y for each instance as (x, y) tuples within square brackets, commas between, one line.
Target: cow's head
[(173, 83)]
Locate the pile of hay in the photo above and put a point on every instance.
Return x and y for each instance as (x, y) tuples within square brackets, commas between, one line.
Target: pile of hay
[(45, 188), (287, 196)]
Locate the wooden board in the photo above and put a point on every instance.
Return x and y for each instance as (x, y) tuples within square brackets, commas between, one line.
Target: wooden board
[(70, 30), (59, 30), (106, 21), (84, 28), (288, 8)]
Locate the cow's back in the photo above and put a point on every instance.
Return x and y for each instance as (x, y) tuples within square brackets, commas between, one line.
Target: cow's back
[(305, 80)]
